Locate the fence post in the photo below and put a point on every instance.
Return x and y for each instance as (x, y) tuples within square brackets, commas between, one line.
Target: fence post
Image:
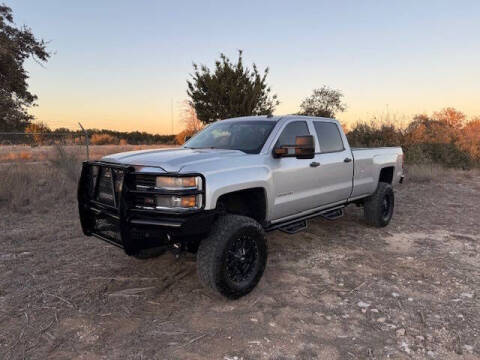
[(86, 139)]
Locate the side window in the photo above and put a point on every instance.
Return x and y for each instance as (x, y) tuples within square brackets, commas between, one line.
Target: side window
[(291, 131), (328, 136)]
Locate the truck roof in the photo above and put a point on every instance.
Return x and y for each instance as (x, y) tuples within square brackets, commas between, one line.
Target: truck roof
[(274, 117)]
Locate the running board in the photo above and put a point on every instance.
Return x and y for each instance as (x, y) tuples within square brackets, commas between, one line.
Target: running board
[(333, 214), (294, 227), (299, 224)]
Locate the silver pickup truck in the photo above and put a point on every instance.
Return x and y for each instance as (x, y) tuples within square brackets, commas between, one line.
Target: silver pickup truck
[(223, 189)]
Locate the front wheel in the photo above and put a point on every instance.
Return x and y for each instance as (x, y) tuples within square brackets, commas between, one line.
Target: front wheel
[(378, 208), (232, 259)]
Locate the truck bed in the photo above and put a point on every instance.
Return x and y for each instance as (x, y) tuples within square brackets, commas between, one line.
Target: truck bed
[(367, 165)]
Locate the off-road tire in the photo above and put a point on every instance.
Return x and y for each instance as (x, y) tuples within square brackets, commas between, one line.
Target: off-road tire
[(150, 253), (212, 264), (374, 206)]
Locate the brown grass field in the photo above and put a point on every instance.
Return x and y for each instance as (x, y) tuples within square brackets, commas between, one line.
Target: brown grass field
[(339, 290), (16, 153)]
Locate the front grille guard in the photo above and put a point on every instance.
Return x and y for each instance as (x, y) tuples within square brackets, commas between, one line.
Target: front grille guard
[(124, 213), (90, 209)]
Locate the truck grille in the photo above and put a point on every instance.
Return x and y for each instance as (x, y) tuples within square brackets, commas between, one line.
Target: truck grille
[(109, 186), (105, 193), (144, 182)]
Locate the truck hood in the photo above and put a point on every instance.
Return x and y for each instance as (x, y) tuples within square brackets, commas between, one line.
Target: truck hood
[(171, 160)]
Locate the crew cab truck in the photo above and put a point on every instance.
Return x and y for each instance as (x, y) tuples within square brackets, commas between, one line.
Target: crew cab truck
[(237, 179)]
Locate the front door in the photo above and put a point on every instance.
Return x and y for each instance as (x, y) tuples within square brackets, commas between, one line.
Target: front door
[(292, 177)]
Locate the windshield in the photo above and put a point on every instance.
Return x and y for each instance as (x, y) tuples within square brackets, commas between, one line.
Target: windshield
[(247, 136)]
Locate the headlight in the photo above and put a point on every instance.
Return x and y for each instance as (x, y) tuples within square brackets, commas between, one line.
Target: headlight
[(179, 183), (179, 201), (175, 193)]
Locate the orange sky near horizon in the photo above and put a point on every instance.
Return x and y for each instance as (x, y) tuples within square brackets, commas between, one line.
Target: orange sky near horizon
[(119, 65), (155, 117)]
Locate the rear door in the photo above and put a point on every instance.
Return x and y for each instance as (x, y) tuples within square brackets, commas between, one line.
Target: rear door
[(334, 172)]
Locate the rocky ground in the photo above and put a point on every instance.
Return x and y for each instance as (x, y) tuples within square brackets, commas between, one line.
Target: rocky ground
[(340, 290)]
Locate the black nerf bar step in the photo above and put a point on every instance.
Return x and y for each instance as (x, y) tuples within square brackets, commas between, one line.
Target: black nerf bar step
[(328, 214), (333, 215), (294, 227)]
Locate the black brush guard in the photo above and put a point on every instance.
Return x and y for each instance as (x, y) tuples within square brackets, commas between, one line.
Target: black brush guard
[(124, 225)]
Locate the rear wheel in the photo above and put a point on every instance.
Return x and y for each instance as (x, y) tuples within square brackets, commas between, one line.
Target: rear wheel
[(378, 208), (232, 259)]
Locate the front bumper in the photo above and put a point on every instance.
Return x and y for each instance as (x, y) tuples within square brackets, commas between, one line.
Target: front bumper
[(123, 224)]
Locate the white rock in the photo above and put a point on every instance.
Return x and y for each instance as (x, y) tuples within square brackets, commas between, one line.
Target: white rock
[(381, 320), (363, 304), (253, 320), (374, 310), (400, 332), (468, 348), (410, 299), (394, 294), (404, 347), (467, 295)]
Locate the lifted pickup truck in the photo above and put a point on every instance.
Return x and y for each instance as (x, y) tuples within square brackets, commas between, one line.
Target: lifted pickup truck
[(238, 178)]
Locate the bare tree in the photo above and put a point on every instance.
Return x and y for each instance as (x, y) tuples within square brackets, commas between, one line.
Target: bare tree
[(189, 118)]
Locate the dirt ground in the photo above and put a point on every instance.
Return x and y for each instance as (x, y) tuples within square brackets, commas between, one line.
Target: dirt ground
[(340, 290)]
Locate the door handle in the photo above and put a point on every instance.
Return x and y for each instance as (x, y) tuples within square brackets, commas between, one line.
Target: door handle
[(347, 160), (314, 164)]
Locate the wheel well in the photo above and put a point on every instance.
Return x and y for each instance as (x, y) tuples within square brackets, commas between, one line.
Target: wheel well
[(249, 202), (386, 175)]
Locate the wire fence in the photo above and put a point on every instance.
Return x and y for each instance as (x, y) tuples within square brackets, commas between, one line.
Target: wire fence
[(41, 146), (45, 146), (40, 139)]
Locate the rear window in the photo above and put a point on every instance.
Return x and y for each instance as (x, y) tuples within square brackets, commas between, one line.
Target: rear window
[(328, 136)]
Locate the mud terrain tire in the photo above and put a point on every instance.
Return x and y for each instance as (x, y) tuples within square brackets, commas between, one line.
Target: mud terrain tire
[(378, 208), (232, 259)]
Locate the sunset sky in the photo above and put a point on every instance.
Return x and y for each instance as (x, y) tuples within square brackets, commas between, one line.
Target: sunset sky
[(121, 64)]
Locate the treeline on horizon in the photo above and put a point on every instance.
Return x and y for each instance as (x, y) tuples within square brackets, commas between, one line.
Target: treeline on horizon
[(446, 137), (40, 134)]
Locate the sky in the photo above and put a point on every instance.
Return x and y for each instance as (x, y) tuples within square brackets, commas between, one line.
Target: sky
[(123, 65)]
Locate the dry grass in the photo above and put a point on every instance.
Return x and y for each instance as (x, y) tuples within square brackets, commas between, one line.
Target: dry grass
[(66, 162), (16, 153), (27, 186), (425, 173)]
